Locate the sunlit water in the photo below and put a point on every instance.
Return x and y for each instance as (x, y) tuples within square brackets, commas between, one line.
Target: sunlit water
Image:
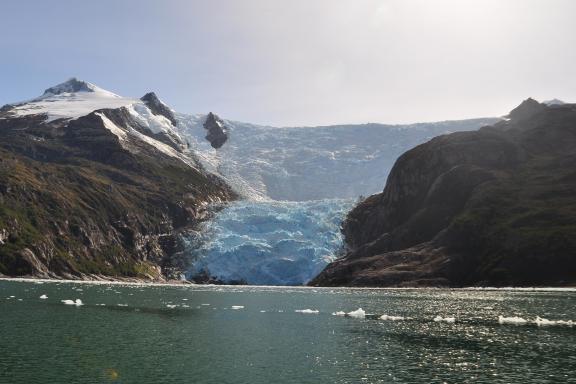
[(199, 334)]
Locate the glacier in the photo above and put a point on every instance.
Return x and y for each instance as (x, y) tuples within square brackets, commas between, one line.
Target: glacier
[(310, 163), (268, 242), (298, 184)]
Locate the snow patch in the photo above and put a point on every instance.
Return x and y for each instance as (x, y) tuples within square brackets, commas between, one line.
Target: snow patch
[(109, 125)]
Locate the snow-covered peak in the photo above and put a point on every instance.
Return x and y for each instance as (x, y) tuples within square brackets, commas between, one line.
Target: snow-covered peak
[(73, 85), (554, 102), (70, 100)]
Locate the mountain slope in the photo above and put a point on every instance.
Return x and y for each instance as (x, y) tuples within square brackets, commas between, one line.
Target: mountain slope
[(93, 184), (492, 207)]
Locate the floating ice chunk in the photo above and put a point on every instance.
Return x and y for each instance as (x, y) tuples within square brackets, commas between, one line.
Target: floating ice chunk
[(545, 322), (237, 307), (512, 320), (122, 305), (205, 304), (339, 313), (43, 297), (262, 311), (359, 313), (11, 297), (100, 305), (309, 311), (440, 319), (76, 302), (171, 306), (392, 318)]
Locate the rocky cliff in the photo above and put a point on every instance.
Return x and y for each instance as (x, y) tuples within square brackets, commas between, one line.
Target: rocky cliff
[(103, 194), (492, 207)]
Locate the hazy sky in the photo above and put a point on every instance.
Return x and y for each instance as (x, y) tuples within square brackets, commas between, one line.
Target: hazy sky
[(298, 62)]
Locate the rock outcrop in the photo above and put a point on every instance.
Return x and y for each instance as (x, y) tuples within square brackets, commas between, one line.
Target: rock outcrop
[(217, 134), (492, 207), (158, 107)]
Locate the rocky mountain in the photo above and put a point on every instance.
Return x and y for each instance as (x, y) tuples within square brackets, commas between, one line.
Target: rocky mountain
[(94, 184), (493, 207)]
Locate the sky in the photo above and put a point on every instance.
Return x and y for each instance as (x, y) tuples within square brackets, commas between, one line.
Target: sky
[(298, 62)]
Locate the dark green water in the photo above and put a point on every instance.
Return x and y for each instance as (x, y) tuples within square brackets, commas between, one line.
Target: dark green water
[(151, 341)]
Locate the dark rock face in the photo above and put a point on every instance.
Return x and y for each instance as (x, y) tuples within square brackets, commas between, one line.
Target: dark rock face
[(76, 201), (491, 207), (158, 108), (217, 135)]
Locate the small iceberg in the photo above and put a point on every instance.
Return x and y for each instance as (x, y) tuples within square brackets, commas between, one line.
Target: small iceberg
[(76, 302), (43, 297), (339, 313), (358, 314), (440, 319), (512, 320), (237, 307), (309, 311)]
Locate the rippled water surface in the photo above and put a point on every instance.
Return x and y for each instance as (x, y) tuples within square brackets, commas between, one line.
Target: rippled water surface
[(163, 334)]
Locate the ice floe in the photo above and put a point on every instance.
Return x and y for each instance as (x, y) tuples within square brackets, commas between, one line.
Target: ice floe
[(308, 311), (359, 313), (440, 319), (393, 318), (512, 320), (76, 302)]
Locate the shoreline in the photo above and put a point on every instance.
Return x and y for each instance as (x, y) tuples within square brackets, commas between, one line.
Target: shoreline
[(187, 284)]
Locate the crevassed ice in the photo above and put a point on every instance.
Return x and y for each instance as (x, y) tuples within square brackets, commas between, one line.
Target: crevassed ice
[(269, 243)]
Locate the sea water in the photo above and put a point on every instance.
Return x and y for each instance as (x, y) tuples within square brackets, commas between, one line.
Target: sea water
[(60, 332)]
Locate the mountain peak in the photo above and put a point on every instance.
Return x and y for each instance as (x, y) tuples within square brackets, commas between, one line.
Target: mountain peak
[(526, 109), (74, 85)]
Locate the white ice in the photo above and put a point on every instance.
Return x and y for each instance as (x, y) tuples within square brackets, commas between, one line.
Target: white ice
[(512, 320), (440, 319), (307, 311), (76, 302), (359, 313), (392, 318)]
